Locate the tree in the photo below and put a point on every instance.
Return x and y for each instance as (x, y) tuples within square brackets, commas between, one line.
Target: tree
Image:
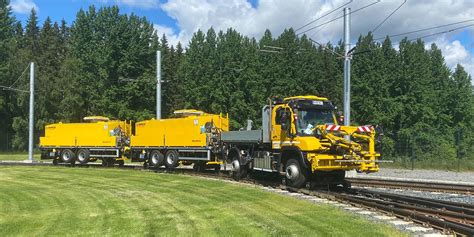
[(6, 51)]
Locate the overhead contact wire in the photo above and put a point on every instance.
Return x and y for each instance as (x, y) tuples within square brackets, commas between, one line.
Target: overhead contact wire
[(311, 22), (386, 18), (327, 22)]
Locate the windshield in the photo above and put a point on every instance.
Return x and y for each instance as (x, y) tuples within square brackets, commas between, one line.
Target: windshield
[(308, 119)]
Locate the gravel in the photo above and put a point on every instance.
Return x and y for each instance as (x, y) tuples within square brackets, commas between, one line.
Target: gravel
[(452, 197), (436, 175)]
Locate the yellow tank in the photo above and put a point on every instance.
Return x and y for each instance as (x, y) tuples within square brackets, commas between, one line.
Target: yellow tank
[(96, 138), (189, 137), (188, 129), (97, 132)]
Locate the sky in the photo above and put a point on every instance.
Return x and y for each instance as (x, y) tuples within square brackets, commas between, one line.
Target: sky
[(179, 19)]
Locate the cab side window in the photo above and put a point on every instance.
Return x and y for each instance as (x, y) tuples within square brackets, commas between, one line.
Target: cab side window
[(281, 113)]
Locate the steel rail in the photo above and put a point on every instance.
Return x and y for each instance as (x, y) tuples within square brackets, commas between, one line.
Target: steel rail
[(417, 185)]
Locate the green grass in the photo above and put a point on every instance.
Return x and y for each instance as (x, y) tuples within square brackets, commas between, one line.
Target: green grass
[(44, 201), (18, 156)]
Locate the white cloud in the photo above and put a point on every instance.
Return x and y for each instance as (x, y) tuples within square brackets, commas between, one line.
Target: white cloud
[(23, 6), (172, 37), (277, 15), (455, 53)]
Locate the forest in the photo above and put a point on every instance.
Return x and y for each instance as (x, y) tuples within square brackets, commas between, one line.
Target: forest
[(104, 63)]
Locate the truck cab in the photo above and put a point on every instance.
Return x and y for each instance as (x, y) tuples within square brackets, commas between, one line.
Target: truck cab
[(302, 140)]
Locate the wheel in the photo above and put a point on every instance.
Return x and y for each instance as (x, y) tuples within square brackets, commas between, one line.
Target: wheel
[(156, 159), (295, 174), (110, 162), (172, 159), (197, 167), (121, 163), (67, 156), (238, 171), (83, 156), (55, 161), (105, 162)]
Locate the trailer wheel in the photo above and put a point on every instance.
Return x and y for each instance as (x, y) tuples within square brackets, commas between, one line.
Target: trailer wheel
[(67, 156), (156, 159), (83, 156), (172, 159), (295, 175), (110, 162)]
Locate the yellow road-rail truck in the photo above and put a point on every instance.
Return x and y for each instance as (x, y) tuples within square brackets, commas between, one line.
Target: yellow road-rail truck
[(98, 138), (188, 138), (301, 140)]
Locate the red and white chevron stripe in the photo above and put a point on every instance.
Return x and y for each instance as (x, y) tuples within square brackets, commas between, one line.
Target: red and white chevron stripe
[(365, 128), (331, 127)]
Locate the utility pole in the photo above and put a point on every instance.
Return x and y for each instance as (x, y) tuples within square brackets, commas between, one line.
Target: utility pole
[(158, 84), (32, 102), (347, 67)]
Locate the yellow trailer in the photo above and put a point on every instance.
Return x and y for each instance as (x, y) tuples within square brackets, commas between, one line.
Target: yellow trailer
[(96, 138), (189, 137)]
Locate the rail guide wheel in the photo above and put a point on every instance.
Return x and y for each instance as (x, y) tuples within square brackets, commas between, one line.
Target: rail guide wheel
[(238, 171), (121, 163)]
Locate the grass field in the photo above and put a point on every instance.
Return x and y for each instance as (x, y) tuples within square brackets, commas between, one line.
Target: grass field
[(39, 201), (18, 156)]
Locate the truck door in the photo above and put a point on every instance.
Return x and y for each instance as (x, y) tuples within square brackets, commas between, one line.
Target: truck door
[(279, 115)]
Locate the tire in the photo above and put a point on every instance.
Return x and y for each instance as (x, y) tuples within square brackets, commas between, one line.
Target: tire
[(197, 166), (156, 159), (105, 162), (172, 159), (67, 156), (55, 161), (295, 175), (83, 156)]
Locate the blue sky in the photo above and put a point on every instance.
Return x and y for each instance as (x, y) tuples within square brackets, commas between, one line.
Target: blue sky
[(179, 19), (67, 10)]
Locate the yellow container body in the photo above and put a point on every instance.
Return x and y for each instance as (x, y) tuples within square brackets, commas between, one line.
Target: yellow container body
[(92, 134), (189, 131)]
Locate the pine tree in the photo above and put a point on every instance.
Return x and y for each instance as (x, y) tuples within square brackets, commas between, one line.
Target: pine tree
[(32, 35), (6, 52)]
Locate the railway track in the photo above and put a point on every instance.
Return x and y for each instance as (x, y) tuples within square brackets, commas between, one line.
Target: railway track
[(449, 217), (444, 215), (415, 185)]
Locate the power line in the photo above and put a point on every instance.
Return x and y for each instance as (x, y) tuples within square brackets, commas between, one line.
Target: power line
[(11, 86), (386, 18), (311, 22), (425, 29), (327, 22), (438, 33)]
